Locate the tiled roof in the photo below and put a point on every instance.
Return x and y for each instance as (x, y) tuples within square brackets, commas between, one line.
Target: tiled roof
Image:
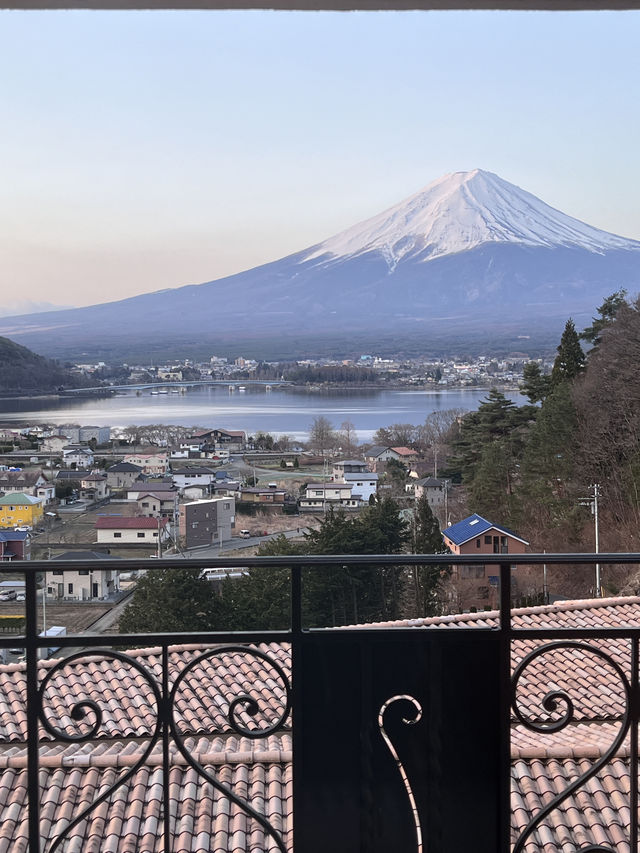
[(475, 525), (375, 451), (122, 467), (126, 700), (260, 769), (203, 820), (113, 522)]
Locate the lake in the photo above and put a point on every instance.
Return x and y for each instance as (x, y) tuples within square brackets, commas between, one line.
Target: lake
[(282, 410)]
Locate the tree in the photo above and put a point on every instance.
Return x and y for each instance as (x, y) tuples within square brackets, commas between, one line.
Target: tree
[(173, 600), (536, 385), (348, 437), (426, 538), (570, 359), (607, 314), (396, 435), (321, 434), (397, 474)]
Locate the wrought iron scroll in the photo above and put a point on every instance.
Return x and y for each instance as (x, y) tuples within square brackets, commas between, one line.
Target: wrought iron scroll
[(82, 709), (409, 721), (550, 703), (251, 707)]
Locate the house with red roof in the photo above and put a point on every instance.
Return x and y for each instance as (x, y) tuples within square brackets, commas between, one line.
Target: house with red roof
[(115, 528)]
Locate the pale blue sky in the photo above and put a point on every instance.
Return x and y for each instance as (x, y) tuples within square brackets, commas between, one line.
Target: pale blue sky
[(143, 150)]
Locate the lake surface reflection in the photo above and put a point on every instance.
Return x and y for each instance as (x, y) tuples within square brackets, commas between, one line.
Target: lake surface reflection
[(283, 410)]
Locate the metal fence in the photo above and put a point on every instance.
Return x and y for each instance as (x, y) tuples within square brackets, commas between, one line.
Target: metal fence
[(404, 781)]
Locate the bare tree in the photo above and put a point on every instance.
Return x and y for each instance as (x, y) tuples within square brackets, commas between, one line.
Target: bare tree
[(321, 435), (348, 437)]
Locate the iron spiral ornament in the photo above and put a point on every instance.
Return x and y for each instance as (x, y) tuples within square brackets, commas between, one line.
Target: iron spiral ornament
[(560, 700)]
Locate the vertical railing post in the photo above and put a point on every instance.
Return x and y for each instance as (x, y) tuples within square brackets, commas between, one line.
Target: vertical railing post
[(504, 781), (31, 650), (296, 695), (165, 711), (633, 749)]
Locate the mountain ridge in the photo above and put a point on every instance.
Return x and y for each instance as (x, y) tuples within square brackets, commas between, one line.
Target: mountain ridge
[(388, 274)]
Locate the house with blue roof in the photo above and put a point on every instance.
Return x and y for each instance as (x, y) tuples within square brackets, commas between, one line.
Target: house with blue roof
[(478, 585), (14, 545)]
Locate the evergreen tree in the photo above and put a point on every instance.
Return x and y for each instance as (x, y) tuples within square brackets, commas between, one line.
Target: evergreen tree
[(607, 314), (536, 385), (491, 489), (570, 359), (426, 538), (173, 600)]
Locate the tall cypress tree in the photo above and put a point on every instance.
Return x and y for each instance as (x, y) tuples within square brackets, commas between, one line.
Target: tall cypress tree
[(570, 359)]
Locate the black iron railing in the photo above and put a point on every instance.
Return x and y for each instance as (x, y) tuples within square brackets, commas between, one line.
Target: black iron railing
[(401, 707)]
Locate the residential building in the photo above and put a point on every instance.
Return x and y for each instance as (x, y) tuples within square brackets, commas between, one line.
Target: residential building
[(262, 496), (477, 585), (141, 486), (55, 443), (93, 487), (14, 545), (198, 476), (157, 504), (355, 472), (377, 456), (111, 528), (85, 434), (320, 496), (122, 475), (20, 510), (154, 464), (207, 522), (31, 482), (233, 440), (348, 466), (436, 491), (86, 584), (78, 456)]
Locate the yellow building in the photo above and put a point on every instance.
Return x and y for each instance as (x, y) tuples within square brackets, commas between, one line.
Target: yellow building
[(20, 510)]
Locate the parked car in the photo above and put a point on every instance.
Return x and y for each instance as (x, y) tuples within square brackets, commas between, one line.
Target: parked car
[(245, 534), (9, 595), (25, 528)]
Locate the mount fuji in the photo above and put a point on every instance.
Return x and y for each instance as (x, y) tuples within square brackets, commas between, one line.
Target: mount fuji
[(469, 257)]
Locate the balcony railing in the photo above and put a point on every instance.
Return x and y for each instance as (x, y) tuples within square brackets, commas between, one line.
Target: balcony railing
[(485, 733)]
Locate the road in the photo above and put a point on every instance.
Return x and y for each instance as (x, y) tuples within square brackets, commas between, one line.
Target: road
[(237, 544)]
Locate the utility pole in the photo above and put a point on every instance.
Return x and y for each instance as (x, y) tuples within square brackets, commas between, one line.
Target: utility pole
[(594, 508)]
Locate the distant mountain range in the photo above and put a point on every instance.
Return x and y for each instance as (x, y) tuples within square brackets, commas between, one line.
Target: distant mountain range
[(470, 258)]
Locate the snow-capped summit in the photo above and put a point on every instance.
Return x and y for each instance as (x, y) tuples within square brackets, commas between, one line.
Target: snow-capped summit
[(461, 211), (471, 256)]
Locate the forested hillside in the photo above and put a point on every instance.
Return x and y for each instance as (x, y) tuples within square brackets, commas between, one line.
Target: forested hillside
[(534, 467), (24, 370)]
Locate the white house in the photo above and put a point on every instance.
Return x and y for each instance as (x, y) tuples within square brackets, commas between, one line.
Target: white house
[(84, 584), (319, 496), (81, 457), (363, 485), (183, 477), (111, 528)]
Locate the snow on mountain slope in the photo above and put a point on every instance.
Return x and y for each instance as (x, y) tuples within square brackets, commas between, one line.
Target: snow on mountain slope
[(461, 211)]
